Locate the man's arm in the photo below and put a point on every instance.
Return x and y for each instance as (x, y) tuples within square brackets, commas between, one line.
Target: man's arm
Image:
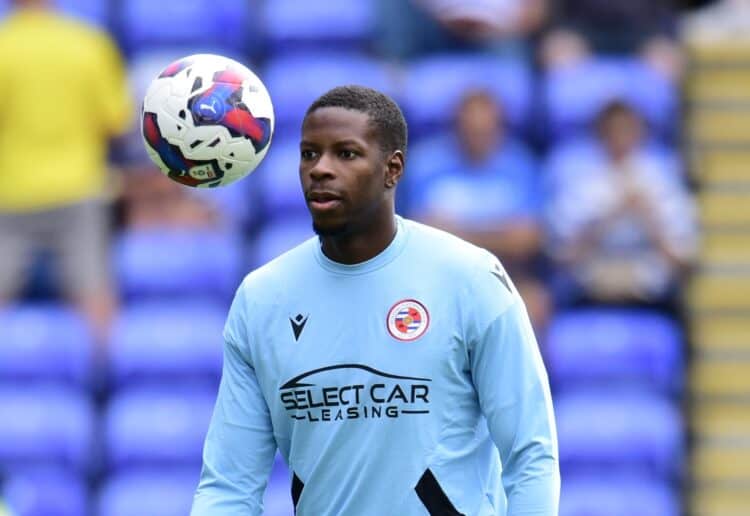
[(514, 396), (240, 447)]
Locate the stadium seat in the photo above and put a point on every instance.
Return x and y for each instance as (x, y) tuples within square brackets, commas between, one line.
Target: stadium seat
[(575, 94), (44, 342), (211, 25), (175, 262), (613, 495), (165, 491), (619, 430), (45, 424), (294, 81), (157, 425), (96, 12), (434, 86), (167, 341), (45, 492), (290, 24), (278, 180), (279, 236), (601, 347)]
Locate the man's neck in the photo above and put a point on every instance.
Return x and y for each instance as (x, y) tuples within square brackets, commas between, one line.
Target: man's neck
[(358, 247)]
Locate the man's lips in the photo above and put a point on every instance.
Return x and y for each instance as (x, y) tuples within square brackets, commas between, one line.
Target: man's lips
[(323, 200)]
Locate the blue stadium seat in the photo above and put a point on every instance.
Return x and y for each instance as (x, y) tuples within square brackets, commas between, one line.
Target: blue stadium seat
[(292, 24), (575, 94), (96, 12), (279, 236), (175, 262), (44, 342), (45, 424), (165, 491), (434, 86), (213, 25), (45, 492), (601, 347), (619, 430), (167, 341), (278, 180), (613, 495), (294, 81), (157, 425)]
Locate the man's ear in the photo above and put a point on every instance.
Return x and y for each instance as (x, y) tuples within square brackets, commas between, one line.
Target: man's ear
[(394, 169)]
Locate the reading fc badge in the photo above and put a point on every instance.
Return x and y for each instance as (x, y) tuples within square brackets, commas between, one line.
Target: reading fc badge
[(407, 320)]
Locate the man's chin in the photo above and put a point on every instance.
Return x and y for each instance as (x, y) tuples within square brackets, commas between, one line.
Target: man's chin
[(330, 229)]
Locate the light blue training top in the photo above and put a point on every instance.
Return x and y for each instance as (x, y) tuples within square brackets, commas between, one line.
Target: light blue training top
[(396, 386)]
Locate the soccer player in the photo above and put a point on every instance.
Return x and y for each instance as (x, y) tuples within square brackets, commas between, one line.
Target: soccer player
[(392, 364)]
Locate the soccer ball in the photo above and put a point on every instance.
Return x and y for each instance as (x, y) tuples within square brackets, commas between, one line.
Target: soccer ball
[(207, 121)]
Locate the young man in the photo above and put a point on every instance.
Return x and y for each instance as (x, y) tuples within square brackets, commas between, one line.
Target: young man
[(392, 364)]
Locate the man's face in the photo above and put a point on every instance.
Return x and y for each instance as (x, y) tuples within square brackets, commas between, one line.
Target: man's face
[(343, 171)]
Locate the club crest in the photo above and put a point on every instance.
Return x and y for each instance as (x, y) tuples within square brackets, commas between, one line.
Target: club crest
[(407, 320)]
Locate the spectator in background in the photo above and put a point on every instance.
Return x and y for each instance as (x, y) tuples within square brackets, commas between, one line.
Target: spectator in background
[(414, 27), (64, 95), (624, 227), (633, 27), (482, 185), (721, 21)]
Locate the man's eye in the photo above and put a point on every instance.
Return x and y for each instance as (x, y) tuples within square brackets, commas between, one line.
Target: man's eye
[(307, 154), (348, 154)]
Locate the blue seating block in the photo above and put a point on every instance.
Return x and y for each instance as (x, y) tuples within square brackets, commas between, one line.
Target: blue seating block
[(620, 430), (597, 347), (157, 426), (575, 94), (160, 341), (290, 23), (613, 495), (45, 492), (162, 491), (295, 81), (212, 24), (435, 85), (45, 424), (174, 262), (44, 342)]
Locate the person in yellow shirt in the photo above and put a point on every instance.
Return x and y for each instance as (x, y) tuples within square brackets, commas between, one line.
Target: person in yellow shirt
[(64, 95)]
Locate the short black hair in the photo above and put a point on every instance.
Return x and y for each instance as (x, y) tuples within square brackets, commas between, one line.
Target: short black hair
[(383, 111)]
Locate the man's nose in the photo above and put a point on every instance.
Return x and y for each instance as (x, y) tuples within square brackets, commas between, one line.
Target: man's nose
[(323, 169)]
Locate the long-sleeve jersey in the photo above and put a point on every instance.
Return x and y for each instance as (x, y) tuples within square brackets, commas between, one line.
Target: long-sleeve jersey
[(408, 384)]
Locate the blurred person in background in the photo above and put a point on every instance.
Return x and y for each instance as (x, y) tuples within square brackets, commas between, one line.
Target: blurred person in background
[(724, 20), (624, 227), (639, 27), (150, 199), (482, 185), (65, 95), (414, 27)]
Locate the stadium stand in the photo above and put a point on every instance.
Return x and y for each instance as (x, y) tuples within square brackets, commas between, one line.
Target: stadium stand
[(75, 444)]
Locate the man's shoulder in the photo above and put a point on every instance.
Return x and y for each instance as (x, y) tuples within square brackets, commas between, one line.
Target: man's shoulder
[(445, 249), (285, 268)]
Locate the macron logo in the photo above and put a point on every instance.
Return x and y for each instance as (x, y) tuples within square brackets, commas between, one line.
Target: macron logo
[(298, 324)]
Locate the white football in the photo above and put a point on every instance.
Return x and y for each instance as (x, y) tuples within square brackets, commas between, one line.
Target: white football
[(207, 121)]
